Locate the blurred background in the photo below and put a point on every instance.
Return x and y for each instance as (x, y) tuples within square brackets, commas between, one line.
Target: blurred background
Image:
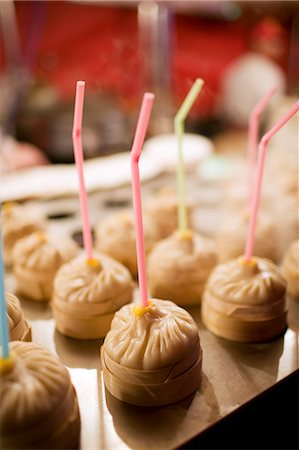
[(121, 49)]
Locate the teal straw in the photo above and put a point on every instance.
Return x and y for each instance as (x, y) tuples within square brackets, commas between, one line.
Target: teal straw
[(3, 316)]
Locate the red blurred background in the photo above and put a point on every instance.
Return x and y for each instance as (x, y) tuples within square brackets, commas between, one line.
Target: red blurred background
[(101, 42)]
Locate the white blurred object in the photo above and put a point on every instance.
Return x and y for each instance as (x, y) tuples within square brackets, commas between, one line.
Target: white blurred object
[(164, 149), (219, 168), (61, 179), (159, 155), (245, 82)]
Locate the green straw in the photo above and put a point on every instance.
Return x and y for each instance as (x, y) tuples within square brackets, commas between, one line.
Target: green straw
[(179, 127)]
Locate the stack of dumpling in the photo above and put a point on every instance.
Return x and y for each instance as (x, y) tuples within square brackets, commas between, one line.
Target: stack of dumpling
[(39, 407), (152, 355), (245, 301)]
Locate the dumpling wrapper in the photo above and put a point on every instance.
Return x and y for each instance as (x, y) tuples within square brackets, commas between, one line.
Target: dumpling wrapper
[(179, 266), (152, 356), (36, 259), (19, 329), (245, 301), (39, 407), (86, 296)]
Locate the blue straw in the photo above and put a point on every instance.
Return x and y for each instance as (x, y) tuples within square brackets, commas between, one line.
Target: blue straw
[(3, 316)]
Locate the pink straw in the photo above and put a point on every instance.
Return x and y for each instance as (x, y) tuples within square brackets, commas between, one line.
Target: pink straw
[(259, 175), (142, 124), (78, 153), (253, 128)]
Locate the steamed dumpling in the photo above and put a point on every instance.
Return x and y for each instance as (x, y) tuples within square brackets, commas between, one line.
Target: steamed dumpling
[(36, 259), (17, 221), (39, 408), (152, 340), (290, 269), (232, 235), (87, 294), (115, 236), (19, 329), (162, 212), (179, 266), (245, 301), (286, 216), (152, 356)]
